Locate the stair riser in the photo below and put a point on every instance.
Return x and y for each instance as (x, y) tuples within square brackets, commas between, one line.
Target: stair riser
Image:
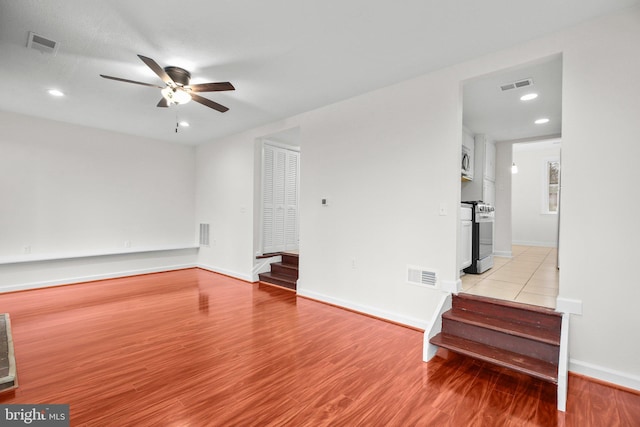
[(284, 271), (290, 259), (520, 345), (509, 313), (275, 281)]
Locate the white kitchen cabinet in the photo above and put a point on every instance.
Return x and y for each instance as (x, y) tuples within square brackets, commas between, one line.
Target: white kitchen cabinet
[(466, 229), (489, 192), (490, 161)]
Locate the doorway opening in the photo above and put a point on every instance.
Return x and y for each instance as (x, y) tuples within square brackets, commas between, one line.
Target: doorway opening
[(511, 115)]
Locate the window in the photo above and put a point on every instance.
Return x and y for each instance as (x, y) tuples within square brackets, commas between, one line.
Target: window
[(551, 187)]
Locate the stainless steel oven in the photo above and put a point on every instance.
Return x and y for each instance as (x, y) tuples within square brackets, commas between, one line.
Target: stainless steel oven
[(482, 238)]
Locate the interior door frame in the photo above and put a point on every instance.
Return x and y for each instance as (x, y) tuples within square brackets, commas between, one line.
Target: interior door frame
[(263, 143)]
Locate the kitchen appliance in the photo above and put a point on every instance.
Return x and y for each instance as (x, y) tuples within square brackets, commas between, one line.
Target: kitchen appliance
[(483, 215), (467, 163)]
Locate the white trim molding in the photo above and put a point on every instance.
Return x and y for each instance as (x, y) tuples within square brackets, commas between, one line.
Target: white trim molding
[(429, 350), (601, 373), (365, 309), (93, 278), (451, 286), (568, 305), (563, 364), (230, 273)]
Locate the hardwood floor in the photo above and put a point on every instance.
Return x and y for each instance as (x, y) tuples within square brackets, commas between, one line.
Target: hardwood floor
[(193, 348)]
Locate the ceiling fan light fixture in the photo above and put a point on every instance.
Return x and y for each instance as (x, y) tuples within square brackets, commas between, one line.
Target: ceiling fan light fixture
[(175, 95)]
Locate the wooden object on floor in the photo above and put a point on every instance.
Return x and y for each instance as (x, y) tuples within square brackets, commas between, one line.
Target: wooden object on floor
[(517, 336), (196, 348), (8, 375), (283, 273)]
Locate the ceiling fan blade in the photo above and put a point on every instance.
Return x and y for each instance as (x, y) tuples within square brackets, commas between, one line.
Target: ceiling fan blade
[(163, 103), (208, 103), (130, 81), (156, 69), (212, 87)]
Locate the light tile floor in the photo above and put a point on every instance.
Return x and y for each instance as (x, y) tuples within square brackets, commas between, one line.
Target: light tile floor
[(530, 277)]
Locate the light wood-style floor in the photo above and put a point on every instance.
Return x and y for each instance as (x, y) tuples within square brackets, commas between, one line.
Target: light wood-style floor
[(530, 277), (194, 348)]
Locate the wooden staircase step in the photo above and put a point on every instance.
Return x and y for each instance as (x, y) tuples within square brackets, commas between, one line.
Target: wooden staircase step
[(523, 330), (509, 310), (282, 269), (515, 361), (280, 280), (481, 333), (290, 259)]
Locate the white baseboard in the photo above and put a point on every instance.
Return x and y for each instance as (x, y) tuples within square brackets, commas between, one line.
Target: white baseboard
[(435, 327), (373, 311), (235, 274), (92, 278), (605, 374), (531, 243)]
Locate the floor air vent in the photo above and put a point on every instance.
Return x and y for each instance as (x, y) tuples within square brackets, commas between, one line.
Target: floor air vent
[(42, 44), (421, 276), (515, 85)]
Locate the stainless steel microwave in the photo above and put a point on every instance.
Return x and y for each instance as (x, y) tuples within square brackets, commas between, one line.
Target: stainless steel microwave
[(467, 163)]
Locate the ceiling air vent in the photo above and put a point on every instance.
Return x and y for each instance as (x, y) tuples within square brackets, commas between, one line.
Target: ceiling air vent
[(421, 276), (42, 44), (515, 85)]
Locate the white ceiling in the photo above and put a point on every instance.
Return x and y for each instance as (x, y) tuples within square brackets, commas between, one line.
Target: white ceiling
[(283, 56), (502, 115)]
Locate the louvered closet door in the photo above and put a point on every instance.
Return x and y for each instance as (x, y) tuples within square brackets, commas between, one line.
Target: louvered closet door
[(280, 199)]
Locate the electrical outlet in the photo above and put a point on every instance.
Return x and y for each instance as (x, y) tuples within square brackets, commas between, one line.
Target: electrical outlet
[(127, 243), (443, 209), (26, 249), (353, 263)]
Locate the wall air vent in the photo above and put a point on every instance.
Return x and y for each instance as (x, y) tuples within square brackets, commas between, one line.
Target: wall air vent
[(42, 44), (204, 234), (421, 276), (515, 85)]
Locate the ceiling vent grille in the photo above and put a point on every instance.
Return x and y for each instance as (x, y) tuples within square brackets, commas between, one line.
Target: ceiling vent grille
[(421, 276), (516, 85), (42, 44)]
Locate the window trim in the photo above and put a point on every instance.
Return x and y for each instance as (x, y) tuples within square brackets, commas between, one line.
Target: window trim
[(545, 185)]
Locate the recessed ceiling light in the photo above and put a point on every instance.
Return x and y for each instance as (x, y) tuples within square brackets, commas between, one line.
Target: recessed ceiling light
[(541, 121), (528, 97), (55, 92), (184, 124)]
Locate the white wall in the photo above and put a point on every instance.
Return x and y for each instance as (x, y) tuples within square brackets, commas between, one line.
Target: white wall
[(503, 231), (529, 224), (387, 159), (599, 146), (72, 191)]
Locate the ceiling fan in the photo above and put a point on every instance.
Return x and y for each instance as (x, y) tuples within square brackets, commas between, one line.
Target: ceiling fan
[(177, 89)]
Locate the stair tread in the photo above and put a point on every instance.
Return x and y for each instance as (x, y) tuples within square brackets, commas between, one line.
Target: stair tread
[(287, 266), (278, 276), (523, 330), (528, 365), (510, 304)]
